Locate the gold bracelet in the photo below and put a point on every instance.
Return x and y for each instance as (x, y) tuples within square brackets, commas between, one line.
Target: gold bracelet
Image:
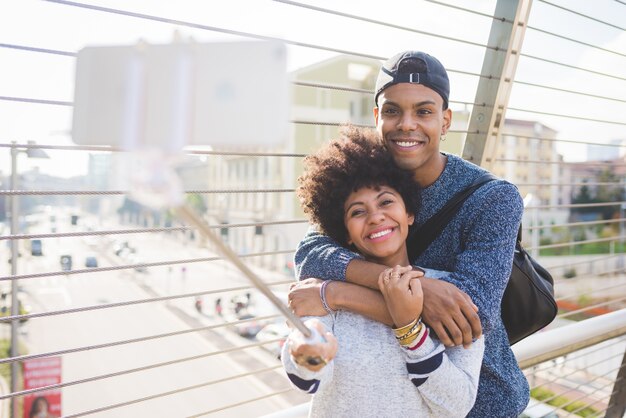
[(411, 336), (418, 337), (413, 330), (416, 325), (407, 328), (404, 329)]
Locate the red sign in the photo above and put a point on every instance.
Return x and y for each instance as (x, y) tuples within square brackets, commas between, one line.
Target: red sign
[(38, 373)]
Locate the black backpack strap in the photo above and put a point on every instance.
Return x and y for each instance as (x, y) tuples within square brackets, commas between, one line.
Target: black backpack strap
[(420, 238)]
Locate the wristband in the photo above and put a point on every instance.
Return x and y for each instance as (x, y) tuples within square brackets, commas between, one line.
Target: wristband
[(323, 297)]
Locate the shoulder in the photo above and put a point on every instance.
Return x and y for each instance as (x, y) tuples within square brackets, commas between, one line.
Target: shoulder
[(501, 193)]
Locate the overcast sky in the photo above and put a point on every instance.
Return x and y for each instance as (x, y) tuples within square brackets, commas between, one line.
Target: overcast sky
[(62, 27)]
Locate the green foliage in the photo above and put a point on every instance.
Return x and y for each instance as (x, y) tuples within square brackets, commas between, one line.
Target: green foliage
[(5, 368), (602, 194), (584, 300), (197, 202), (581, 408)]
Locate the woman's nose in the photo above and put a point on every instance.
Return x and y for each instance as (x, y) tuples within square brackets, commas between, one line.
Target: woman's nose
[(376, 216)]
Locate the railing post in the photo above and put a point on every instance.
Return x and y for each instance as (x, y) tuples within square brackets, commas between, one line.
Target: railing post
[(497, 75), (617, 404), (14, 347)]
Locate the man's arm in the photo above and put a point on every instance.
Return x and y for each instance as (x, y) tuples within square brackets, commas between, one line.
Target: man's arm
[(450, 312), (304, 300)]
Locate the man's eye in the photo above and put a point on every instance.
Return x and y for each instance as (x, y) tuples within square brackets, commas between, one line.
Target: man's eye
[(389, 111), (424, 112)]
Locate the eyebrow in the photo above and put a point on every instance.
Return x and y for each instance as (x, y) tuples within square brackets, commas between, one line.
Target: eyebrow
[(418, 104), (377, 197)]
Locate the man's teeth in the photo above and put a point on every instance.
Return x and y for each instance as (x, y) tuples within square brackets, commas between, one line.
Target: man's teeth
[(380, 234), (406, 143)]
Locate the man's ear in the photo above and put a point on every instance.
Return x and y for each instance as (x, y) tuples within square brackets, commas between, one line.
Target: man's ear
[(376, 110), (447, 121)]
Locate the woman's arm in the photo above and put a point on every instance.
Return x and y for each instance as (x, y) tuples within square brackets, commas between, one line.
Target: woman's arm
[(304, 299), (309, 377), (446, 380)]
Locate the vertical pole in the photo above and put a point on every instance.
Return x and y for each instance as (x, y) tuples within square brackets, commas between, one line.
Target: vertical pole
[(617, 404), (14, 300), (494, 87)]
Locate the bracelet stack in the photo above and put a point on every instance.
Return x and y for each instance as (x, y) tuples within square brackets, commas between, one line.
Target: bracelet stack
[(413, 335), (323, 297)]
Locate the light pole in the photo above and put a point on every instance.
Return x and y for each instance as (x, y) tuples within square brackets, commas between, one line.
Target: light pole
[(31, 153)]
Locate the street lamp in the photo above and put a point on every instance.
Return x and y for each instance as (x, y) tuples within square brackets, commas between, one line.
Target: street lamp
[(31, 153)]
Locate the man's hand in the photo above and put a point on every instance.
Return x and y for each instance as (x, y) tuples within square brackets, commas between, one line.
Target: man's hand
[(304, 298), (450, 313)]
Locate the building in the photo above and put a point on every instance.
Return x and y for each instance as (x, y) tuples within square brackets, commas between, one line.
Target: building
[(527, 157)]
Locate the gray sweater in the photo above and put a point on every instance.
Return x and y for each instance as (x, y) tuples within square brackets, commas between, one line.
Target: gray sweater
[(477, 248), (373, 376)]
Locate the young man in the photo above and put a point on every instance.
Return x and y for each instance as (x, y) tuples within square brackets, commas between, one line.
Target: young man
[(477, 246)]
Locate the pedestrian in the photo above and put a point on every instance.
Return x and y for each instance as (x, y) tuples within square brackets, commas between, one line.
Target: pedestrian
[(356, 195), (412, 117), (198, 304), (218, 306)]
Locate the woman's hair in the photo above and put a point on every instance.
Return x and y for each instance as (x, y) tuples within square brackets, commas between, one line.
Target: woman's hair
[(357, 159), (37, 405)]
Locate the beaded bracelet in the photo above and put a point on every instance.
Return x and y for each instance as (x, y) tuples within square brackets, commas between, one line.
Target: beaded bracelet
[(323, 297)]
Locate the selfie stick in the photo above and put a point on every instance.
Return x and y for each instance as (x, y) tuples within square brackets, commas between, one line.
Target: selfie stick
[(154, 99), (185, 212)]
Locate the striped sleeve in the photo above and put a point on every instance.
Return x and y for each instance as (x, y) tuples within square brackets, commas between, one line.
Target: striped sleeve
[(303, 378), (419, 368), (435, 369)]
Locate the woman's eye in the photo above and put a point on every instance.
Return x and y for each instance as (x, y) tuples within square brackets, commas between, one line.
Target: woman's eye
[(356, 213), (386, 202)]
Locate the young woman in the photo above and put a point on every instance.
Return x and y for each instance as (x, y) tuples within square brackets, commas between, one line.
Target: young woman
[(354, 193)]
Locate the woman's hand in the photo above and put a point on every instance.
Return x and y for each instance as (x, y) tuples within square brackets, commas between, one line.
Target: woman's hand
[(312, 355), (304, 298), (403, 294)]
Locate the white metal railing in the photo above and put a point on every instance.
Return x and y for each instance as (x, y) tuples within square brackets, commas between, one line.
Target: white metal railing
[(133, 316), (553, 344)]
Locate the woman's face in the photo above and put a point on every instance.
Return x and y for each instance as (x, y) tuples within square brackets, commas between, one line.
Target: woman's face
[(378, 224)]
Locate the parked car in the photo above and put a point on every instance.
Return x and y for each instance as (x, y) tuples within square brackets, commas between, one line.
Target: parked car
[(276, 332), (91, 261), (248, 329), (66, 262), (36, 247)]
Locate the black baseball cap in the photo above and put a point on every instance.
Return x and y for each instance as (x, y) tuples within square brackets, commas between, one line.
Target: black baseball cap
[(434, 75)]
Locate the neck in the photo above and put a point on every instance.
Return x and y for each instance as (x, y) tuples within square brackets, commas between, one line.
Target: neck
[(428, 175), (401, 258)]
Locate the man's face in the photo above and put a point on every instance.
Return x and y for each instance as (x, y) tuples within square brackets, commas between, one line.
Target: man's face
[(410, 119)]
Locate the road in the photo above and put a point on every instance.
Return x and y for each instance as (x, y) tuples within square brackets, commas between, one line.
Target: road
[(88, 328)]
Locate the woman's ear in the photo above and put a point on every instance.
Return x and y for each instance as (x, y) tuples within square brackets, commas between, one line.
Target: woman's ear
[(411, 218)]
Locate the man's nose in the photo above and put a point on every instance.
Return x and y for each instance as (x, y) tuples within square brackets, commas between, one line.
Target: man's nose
[(407, 122)]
